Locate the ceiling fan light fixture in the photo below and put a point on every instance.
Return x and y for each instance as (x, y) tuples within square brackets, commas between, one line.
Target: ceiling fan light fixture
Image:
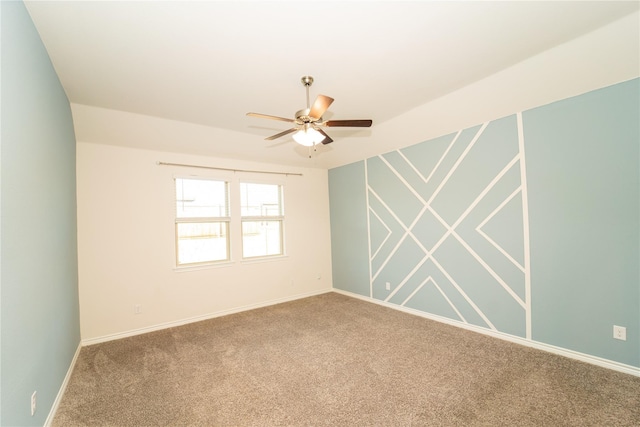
[(308, 137)]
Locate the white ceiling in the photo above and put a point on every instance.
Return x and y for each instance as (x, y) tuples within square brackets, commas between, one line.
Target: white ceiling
[(208, 63)]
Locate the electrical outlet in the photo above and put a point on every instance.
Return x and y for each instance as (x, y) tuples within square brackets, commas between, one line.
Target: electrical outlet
[(387, 286), (33, 403), (137, 309), (620, 332)]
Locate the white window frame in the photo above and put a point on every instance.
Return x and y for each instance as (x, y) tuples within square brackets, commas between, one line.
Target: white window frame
[(224, 221), (263, 218)]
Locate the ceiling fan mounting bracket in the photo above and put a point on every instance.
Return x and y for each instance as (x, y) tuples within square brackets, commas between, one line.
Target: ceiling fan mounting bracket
[(307, 80)]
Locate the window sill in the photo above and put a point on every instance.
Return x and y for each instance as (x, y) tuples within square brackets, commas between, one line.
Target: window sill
[(185, 268), (224, 264), (259, 260)]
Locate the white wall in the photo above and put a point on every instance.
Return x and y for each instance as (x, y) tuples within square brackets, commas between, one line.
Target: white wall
[(126, 243)]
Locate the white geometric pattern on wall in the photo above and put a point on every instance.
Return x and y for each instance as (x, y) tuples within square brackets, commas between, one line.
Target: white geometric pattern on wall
[(448, 227)]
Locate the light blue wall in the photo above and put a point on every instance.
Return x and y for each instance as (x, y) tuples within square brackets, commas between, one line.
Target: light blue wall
[(528, 225), (584, 187), (39, 309), (349, 229)]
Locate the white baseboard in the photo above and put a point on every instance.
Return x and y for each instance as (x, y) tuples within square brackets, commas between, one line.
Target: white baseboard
[(594, 360), (63, 387), (158, 327)]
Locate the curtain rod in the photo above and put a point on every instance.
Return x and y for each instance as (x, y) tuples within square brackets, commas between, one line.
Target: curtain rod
[(226, 169)]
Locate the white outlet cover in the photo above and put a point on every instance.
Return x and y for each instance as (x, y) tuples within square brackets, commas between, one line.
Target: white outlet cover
[(620, 332)]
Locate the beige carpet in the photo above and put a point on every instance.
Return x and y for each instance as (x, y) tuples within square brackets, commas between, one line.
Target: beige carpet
[(337, 361)]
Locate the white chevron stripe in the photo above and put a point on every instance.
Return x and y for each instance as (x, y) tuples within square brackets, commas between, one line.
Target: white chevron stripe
[(449, 301), (470, 208), (490, 240), (457, 163), (389, 233), (427, 179), (463, 293), (415, 291), (407, 277), (489, 269), (430, 279), (404, 236), (404, 181)]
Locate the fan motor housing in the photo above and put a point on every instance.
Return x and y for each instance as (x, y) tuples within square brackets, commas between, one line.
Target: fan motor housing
[(302, 117)]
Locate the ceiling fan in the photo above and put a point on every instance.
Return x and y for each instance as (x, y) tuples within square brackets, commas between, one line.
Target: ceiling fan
[(308, 122)]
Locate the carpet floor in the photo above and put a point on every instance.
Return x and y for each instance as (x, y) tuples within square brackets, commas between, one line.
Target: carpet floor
[(332, 360)]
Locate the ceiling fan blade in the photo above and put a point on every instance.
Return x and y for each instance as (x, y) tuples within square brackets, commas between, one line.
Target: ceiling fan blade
[(320, 105), (278, 135), (349, 123), (327, 139), (266, 116)]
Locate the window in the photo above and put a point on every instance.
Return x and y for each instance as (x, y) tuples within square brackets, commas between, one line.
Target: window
[(262, 219), (202, 221)]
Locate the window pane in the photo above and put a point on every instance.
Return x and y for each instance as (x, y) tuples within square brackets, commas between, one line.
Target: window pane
[(202, 242), (201, 198), (260, 200), (261, 238)]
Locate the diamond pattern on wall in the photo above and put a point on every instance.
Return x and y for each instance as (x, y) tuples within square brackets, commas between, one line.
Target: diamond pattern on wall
[(474, 201)]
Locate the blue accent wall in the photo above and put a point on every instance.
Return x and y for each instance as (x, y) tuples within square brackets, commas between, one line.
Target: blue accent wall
[(528, 225), (584, 187), (39, 282)]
